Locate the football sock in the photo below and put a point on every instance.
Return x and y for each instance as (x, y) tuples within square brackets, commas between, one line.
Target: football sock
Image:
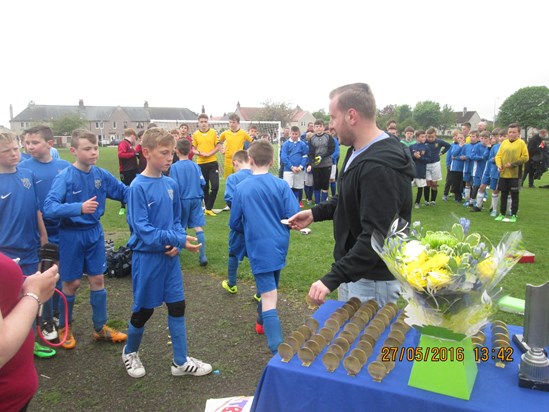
[(232, 269), (273, 330), (259, 312), (178, 333), (134, 338), (296, 193), (434, 195), (98, 301), (467, 192), (309, 192), (300, 194), (70, 306), (317, 196), (419, 194), (333, 188), (495, 199), (480, 197), (426, 193), (509, 203), (323, 195), (202, 239)]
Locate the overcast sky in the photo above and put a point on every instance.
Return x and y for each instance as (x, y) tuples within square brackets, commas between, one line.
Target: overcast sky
[(215, 53)]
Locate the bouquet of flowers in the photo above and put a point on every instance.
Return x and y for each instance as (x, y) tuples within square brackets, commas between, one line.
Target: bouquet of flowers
[(449, 278)]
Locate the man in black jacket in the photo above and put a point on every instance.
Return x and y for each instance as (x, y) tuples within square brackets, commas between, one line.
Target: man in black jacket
[(374, 188)]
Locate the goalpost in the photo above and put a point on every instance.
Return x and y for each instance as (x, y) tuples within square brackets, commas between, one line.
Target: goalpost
[(267, 130)]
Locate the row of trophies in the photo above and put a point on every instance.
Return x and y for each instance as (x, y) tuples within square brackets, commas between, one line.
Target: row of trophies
[(308, 341)]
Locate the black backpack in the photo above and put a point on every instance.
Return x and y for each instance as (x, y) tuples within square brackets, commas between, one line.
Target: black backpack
[(119, 262)]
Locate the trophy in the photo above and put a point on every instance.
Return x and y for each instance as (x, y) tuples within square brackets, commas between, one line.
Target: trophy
[(534, 365)]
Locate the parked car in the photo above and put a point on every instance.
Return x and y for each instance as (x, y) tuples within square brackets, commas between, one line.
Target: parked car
[(115, 143)]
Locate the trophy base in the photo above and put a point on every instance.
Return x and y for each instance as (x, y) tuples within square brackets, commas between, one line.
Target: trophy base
[(530, 384)]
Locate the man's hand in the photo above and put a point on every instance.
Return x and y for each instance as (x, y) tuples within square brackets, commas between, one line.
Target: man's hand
[(90, 206), (318, 292), (301, 220)]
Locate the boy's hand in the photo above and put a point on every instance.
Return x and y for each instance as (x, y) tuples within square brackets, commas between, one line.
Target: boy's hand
[(89, 206), (301, 220), (171, 251), (190, 246)]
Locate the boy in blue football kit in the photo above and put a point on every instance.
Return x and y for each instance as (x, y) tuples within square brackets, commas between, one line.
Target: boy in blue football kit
[(259, 204), (295, 156), (154, 217), (480, 154), (190, 182), (237, 245), (39, 140), (21, 225), (78, 197)]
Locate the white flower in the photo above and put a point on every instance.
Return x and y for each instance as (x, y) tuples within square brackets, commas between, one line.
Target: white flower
[(412, 250)]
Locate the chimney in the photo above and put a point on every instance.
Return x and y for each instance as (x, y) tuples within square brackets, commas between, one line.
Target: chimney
[(203, 110), (464, 111), (11, 112), (146, 105), (81, 103)]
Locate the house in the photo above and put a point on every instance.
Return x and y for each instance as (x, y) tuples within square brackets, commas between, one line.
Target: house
[(463, 117), (299, 118), (107, 122)]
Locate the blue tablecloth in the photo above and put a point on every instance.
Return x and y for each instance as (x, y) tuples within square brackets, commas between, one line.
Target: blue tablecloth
[(290, 386)]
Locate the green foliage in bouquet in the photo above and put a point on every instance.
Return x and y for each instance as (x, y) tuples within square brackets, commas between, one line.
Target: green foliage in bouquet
[(448, 278)]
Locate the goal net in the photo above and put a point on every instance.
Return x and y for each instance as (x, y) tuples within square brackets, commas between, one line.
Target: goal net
[(265, 130)]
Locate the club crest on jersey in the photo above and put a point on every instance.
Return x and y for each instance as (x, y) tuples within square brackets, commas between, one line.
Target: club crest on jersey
[(170, 193), (26, 182), (97, 183)]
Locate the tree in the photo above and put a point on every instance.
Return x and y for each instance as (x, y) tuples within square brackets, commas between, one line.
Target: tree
[(403, 113), (384, 115), (528, 106), (321, 115), (447, 118), (66, 124), (427, 114), (275, 111)]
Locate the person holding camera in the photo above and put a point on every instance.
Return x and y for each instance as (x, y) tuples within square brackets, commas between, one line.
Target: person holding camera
[(20, 302)]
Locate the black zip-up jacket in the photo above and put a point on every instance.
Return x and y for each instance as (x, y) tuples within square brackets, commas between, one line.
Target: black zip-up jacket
[(371, 193)]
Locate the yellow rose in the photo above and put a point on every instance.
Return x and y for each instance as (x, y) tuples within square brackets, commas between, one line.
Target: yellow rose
[(437, 279), (486, 270)]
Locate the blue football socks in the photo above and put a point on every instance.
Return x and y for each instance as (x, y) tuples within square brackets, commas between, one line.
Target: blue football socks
[(202, 239), (273, 330), (70, 306), (134, 338), (98, 301), (178, 333), (232, 270)]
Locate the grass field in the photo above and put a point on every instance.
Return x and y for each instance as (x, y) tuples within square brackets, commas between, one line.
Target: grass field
[(310, 256)]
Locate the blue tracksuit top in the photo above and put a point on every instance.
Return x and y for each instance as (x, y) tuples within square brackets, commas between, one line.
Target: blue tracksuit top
[(479, 156), (294, 154), (44, 174), (457, 164), (19, 237), (259, 203), (232, 181), (154, 214), (72, 187), (189, 179)]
